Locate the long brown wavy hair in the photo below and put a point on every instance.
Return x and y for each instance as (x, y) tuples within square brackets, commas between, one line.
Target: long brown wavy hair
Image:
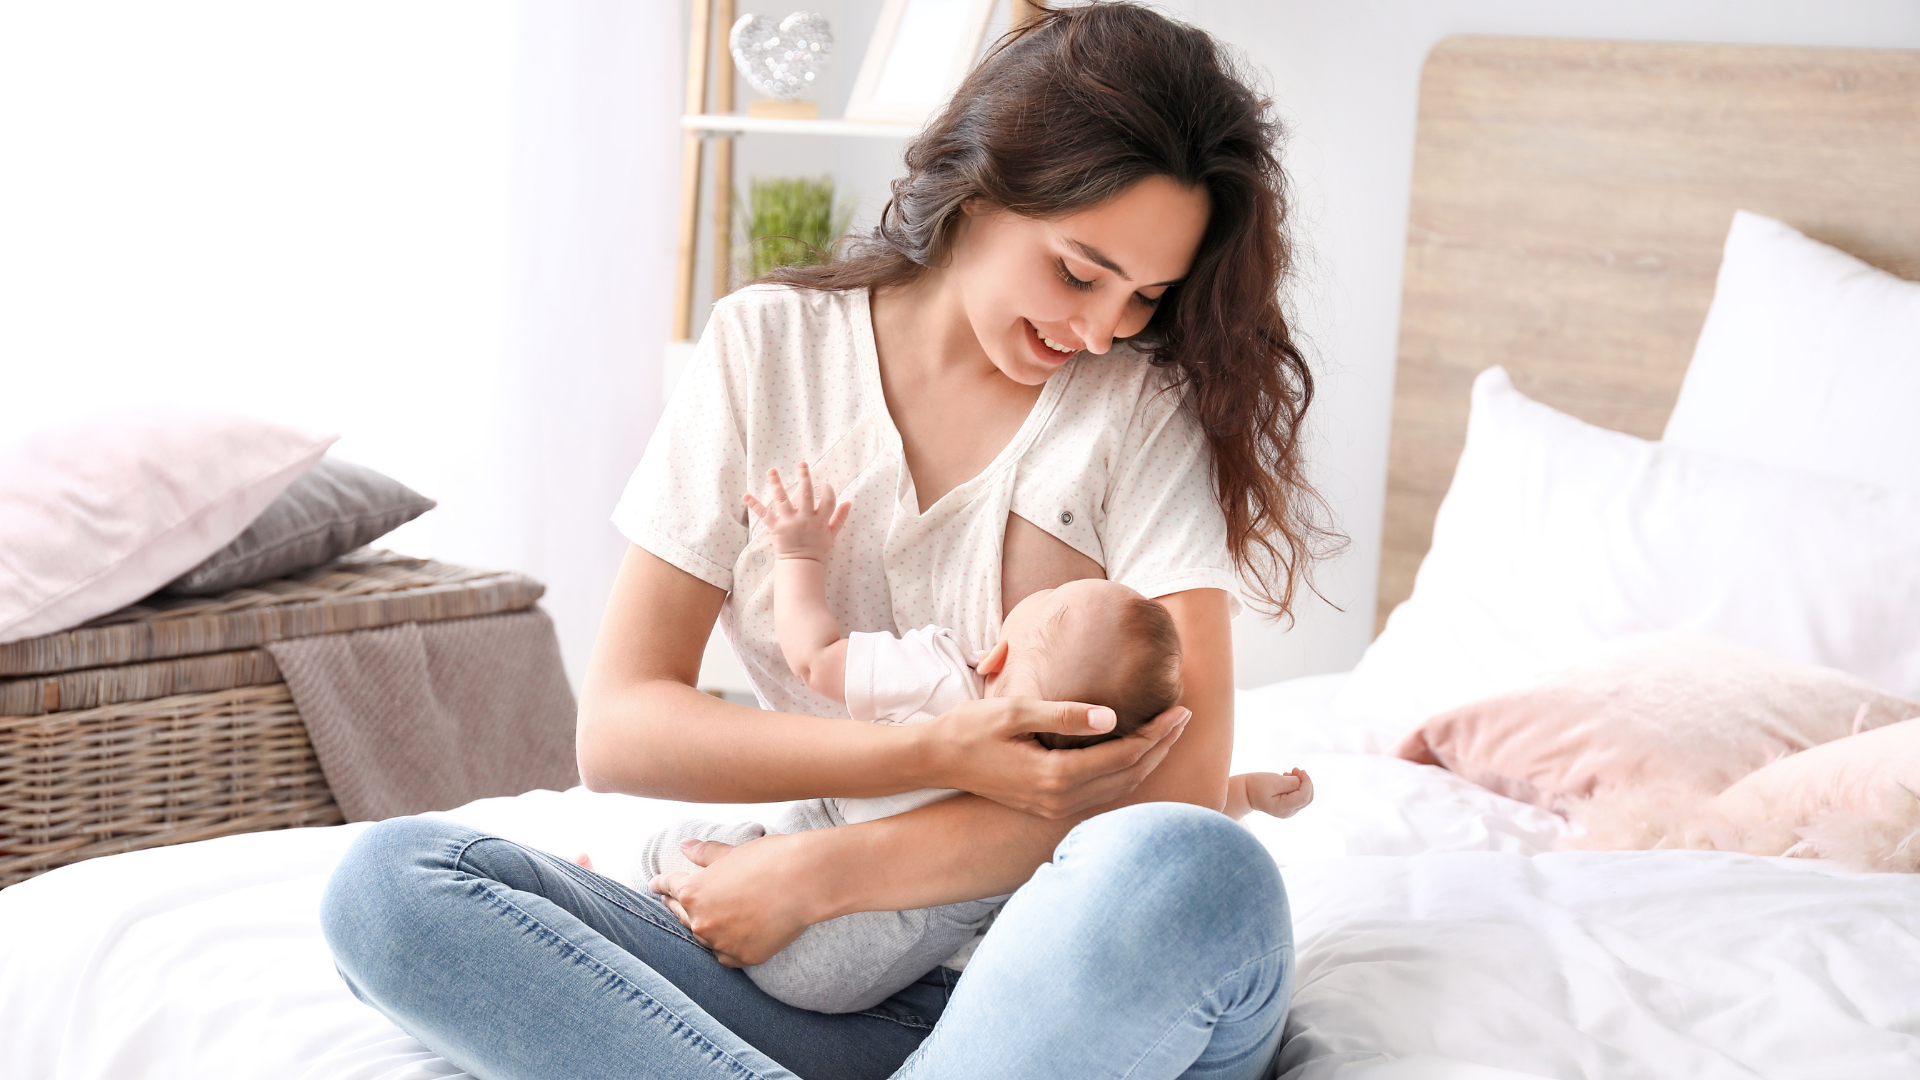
[(1068, 112)]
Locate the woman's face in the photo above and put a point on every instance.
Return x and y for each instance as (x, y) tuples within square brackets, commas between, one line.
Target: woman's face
[(1037, 292)]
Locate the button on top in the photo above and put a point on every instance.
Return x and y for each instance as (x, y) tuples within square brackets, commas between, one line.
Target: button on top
[(759, 558), (1066, 517)]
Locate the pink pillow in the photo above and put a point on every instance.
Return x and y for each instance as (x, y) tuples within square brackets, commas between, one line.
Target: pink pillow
[(96, 514), (1855, 800), (1682, 714)]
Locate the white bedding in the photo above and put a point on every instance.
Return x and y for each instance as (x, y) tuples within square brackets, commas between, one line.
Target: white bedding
[(1436, 940)]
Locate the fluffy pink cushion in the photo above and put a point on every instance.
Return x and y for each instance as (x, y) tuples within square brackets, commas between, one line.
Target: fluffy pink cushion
[(1675, 713), (1855, 800), (97, 514)]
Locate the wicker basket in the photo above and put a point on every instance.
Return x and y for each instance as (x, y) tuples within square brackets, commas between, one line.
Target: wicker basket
[(167, 722)]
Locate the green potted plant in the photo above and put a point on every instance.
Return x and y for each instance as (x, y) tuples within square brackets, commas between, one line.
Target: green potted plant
[(790, 222)]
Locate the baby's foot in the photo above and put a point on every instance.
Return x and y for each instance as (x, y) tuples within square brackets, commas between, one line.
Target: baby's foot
[(1279, 794)]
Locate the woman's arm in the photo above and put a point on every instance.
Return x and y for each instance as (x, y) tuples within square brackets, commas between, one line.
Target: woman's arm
[(644, 729), (752, 900)]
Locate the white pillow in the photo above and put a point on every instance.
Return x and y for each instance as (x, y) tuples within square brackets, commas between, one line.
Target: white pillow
[(99, 513), (1557, 535), (1809, 359)]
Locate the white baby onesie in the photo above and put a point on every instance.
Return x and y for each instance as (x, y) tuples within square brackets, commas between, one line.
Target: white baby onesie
[(903, 680)]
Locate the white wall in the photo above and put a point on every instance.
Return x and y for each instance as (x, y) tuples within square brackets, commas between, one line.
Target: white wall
[(589, 237), (295, 211)]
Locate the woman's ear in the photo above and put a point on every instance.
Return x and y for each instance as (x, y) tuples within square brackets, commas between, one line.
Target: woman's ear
[(994, 661)]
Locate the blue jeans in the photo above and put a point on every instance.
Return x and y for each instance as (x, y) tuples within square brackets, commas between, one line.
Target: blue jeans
[(1156, 944)]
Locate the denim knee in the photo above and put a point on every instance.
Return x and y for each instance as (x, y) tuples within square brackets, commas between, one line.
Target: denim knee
[(1202, 867), (373, 889), (1163, 833)]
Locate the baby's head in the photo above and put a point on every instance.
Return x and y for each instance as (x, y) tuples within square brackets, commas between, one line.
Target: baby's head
[(1089, 640)]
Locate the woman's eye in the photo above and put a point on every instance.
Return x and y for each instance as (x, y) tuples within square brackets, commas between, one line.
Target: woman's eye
[(1066, 275), (1150, 301)]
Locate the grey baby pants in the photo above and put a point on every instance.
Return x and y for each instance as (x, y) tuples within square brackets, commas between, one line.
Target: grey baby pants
[(846, 964)]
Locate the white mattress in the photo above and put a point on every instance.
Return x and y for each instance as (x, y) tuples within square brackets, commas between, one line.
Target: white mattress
[(1435, 940)]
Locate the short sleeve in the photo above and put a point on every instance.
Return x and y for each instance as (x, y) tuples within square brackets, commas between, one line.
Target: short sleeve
[(906, 679), (1164, 530), (683, 501)]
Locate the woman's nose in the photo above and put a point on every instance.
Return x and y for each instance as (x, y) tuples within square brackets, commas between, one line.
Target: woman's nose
[(1096, 324), (1094, 340)]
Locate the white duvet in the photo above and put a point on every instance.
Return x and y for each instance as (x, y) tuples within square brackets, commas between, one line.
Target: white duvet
[(1435, 940)]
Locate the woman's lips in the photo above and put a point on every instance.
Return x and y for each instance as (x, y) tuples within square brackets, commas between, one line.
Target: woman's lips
[(1041, 350)]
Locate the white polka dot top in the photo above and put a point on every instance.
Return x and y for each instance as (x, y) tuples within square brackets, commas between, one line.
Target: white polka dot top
[(1105, 462)]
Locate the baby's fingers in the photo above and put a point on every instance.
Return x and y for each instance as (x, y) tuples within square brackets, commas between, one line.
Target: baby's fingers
[(704, 852), (805, 502), (777, 492), (759, 508), (839, 517)]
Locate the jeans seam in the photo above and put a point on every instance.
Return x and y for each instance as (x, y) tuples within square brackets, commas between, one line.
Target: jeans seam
[(908, 1020), (1214, 989), (634, 990), (585, 878)]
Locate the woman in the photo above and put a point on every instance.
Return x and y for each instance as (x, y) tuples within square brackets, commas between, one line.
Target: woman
[(1060, 355)]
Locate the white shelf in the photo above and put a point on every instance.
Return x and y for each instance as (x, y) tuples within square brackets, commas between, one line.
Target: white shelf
[(781, 126)]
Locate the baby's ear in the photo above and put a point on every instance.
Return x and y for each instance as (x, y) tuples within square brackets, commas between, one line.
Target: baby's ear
[(994, 660)]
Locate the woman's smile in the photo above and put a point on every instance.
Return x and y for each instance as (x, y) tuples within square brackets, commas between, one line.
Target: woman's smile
[(1044, 348)]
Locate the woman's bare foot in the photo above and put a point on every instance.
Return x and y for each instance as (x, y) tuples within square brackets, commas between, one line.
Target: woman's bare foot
[(1278, 794)]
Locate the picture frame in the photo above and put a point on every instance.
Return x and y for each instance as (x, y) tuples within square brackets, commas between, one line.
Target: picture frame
[(920, 51)]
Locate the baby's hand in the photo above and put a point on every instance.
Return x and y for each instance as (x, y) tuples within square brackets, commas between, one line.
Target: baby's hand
[(1279, 794), (802, 528)]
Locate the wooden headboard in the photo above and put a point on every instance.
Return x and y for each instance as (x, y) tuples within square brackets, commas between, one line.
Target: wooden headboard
[(1570, 199)]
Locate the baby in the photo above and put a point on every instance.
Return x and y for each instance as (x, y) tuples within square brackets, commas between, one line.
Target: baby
[(1090, 640)]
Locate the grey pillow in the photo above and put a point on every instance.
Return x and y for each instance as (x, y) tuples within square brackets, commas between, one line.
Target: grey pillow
[(334, 507)]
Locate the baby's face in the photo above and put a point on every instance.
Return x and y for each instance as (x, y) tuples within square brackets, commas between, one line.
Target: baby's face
[(1060, 638)]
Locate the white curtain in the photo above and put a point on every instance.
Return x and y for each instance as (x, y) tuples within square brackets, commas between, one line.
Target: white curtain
[(596, 105)]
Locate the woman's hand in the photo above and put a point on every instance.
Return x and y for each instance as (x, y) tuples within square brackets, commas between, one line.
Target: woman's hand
[(748, 903), (987, 747)]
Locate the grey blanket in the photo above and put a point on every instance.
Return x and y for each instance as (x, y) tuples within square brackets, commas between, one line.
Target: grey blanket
[(427, 716)]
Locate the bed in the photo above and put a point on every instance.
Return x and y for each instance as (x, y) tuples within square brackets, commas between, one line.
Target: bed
[(1570, 200)]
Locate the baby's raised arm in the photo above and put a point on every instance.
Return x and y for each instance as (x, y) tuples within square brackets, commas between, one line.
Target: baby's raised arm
[(803, 529)]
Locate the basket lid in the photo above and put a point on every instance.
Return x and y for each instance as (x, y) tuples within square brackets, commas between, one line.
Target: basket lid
[(358, 591)]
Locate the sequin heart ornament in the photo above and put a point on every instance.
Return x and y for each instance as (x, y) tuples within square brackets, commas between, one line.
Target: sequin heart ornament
[(781, 60)]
